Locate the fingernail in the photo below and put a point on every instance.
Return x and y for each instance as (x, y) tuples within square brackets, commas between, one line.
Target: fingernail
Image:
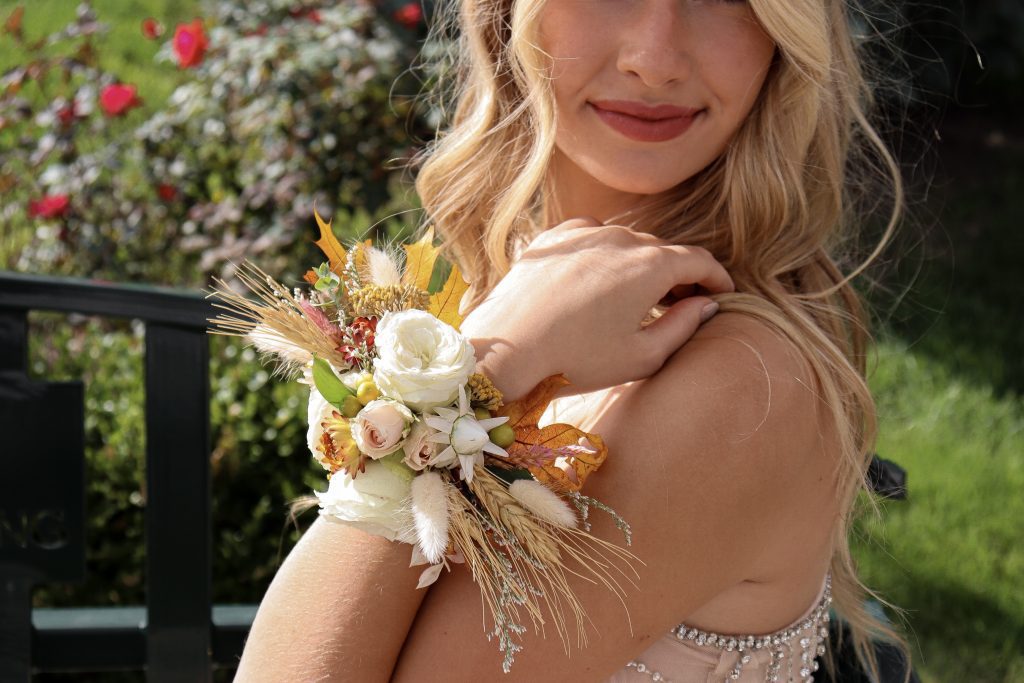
[(708, 311)]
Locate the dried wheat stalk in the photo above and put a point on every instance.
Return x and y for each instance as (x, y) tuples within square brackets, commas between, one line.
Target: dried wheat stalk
[(543, 556), (277, 317)]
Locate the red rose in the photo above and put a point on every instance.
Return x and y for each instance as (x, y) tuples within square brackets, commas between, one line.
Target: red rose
[(67, 114), (409, 15), (50, 206), (168, 193), (118, 98), (152, 29), (189, 44)]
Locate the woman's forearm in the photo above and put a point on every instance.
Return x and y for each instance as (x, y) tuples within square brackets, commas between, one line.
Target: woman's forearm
[(339, 608), (342, 603)]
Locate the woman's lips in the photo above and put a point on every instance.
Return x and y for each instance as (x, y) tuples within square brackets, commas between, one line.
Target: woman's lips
[(645, 130)]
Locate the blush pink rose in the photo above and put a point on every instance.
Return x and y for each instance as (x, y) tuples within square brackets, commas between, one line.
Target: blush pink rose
[(381, 427)]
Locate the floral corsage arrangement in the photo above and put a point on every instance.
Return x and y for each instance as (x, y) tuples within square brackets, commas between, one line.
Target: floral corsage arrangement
[(420, 448)]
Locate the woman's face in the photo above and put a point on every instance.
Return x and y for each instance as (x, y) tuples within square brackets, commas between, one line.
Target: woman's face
[(706, 58)]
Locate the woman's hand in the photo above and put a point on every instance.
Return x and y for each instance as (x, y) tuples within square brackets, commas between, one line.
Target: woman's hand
[(574, 302)]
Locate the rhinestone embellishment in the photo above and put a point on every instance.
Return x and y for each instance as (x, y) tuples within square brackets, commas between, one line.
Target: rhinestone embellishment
[(801, 652)]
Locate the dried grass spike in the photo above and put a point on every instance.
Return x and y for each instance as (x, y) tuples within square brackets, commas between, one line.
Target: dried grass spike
[(543, 502), (381, 268), (430, 512)]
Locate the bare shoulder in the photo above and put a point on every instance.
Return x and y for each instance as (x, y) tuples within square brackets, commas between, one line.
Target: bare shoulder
[(743, 437)]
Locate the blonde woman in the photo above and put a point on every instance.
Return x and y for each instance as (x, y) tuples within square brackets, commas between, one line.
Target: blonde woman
[(649, 197)]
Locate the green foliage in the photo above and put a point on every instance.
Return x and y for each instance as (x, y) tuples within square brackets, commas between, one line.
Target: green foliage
[(119, 227), (294, 104), (108, 359)]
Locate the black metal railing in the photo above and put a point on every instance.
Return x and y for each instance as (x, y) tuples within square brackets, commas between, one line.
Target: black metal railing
[(178, 634)]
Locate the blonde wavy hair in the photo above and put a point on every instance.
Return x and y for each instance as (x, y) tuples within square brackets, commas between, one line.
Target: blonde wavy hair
[(776, 208)]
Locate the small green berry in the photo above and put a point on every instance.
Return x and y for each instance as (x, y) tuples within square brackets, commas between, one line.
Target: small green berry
[(481, 413), (351, 406), (366, 392), (502, 435)]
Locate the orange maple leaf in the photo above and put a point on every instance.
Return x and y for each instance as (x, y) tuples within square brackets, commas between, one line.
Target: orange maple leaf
[(330, 245), (559, 455)]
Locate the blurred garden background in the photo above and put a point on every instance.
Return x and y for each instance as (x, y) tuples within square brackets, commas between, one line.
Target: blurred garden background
[(158, 141)]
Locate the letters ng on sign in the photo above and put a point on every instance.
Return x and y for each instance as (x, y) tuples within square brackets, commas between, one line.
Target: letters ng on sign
[(42, 498)]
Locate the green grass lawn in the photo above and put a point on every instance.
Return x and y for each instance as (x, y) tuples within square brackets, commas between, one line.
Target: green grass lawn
[(951, 555), (948, 380)]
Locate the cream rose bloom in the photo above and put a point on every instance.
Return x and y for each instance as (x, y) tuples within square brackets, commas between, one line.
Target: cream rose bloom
[(421, 453), (381, 426), (375, 501), (318, 411), (422, 361)]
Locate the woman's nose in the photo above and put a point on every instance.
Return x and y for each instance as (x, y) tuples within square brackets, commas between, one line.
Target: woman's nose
[(655, 44)]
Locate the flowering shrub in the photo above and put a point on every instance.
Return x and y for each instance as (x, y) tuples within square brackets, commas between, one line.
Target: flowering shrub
[(280, 105), (74, 203), (283, 104), (290, 106)]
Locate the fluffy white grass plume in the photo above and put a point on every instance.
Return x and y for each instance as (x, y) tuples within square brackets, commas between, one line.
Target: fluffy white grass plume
[(381, 268), (267, 341), (430, 512), (543, 502)]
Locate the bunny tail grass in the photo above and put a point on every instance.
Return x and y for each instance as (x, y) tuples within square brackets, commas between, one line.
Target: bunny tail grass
[(430, 512), (543, 502)]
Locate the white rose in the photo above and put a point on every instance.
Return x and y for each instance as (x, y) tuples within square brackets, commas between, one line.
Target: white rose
[(374, 501), (421, 453), (319, 410), (381, 427), (422, 361)]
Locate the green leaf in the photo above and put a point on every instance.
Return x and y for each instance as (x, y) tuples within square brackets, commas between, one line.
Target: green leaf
[(509, 475), (328, 384)]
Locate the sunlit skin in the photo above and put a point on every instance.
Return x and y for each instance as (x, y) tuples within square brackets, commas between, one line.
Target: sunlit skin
[(709, 55)]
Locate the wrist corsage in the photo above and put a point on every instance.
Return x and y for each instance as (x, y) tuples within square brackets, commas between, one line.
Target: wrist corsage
[(419, 447)]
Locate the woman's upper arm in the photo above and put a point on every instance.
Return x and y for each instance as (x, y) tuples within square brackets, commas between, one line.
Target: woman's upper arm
[(339, 608), (706, 459)]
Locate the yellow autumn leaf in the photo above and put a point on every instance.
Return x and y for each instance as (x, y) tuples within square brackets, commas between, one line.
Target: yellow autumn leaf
[(536, 449), (330, 245), (444, 304), (419, 261)]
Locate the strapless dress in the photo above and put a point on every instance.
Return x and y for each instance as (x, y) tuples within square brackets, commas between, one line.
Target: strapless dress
[(690, 655)]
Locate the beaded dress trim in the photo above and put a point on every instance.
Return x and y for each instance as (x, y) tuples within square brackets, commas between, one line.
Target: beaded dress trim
[(806, 649)]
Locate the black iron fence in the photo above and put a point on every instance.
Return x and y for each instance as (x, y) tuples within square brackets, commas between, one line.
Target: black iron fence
[(178, 634)]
